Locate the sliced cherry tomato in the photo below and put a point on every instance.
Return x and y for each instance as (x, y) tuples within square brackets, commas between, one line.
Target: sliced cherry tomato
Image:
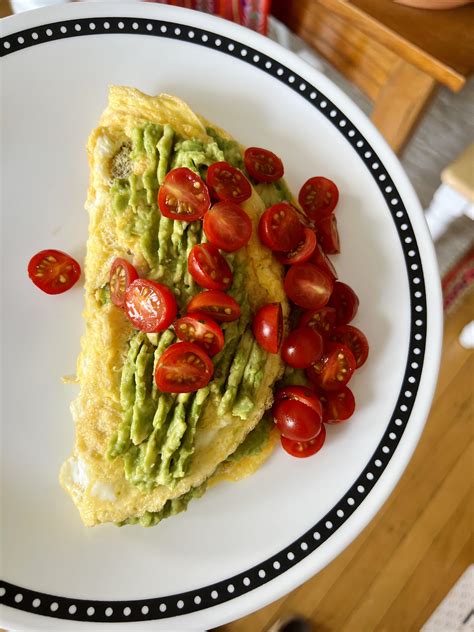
[(228, 183), (183, 195), (308, 286), (268, 327), (302, 449), (53, 271), (217, 304), (183, 368), (338, 407), (303, 251), (334, 369), (318, 197), (263, 165), (302, 394), (122, 273), (227, 226), (209, 268), (321, 260), (302, 348), (279, 228), (328, 235), (321, 320), (345, 301), (149, 305), (202, 330), (354, 339), (295, 420)]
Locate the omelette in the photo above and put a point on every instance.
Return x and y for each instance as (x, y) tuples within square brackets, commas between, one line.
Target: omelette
[(140, 454)]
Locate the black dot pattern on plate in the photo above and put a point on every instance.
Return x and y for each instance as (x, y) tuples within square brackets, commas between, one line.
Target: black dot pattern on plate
[(248, 580)]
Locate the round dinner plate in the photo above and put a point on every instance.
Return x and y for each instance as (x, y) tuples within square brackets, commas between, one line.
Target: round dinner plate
[(242, 545)]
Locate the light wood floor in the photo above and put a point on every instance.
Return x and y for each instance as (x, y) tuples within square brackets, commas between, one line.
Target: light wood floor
[(399, 569)]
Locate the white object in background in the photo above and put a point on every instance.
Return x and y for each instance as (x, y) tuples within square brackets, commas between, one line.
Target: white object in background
[(447, 205), (18, 6), (466, 339), (456, 611)]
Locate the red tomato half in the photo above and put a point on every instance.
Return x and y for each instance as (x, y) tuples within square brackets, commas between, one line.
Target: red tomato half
[(149, 305), (345, 301), (122, 273), (53, 271), (183, 195), (183, 368), (268, 327), (302, 449), (279, 228), (228, 183), (302, 348), (354, 339), (227, 226), (263, 165), (303, 251), (202, 330), (320, 259), (338, 407), (217, 304), (308, 286), (334, 369), (318, 197), (302, 394), (321, 320), (209, 268), (328, 235), (295, 420)]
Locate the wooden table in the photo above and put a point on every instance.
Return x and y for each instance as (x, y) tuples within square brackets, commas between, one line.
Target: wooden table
[(397, 55)]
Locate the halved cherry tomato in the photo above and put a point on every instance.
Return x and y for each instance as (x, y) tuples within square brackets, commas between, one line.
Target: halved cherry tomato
[(302, 394), (303, 251), (209, 268), (302, 449), (308, 286), (302, 348), (268, 327), (328, 235), (318, 197), (228, 183), (345, 301), (183, 195), (354, 339), (202, 330), (263, 165), (337, 407), (334, 369), (149, 305), (53, 271), (320, 259), (183, 368), (279, 228), (217, 304), (227, 226), (321, 320), (122, 273), (295, 420)]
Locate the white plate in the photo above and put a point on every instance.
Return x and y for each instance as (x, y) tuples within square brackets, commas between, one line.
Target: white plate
[(242, 545)]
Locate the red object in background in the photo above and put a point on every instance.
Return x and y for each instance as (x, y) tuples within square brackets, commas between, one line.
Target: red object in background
[(250, 13)]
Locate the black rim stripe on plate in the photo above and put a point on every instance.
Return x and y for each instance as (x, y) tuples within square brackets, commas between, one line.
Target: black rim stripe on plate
[(207, 596)]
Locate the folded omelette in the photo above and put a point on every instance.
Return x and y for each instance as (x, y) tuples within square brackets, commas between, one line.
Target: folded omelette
[(140, 455)]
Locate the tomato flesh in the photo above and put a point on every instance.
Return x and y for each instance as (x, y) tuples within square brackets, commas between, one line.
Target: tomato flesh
[(303, 449), (122, 273), (227, 226), (303, 251), (318, 197), (328, 235), (268, 327), (202, 330), (338, 406), (279, 228), (263, 165), (321, 320), (335, 368), (53, 271), (302, 394), (217, 304), (345, 301), (183, 195), (354, 339), (323, 262), (150, 306), (295, 420), (228, 183), (183, 368), (209, 268), (302, 348), (308, 286)]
